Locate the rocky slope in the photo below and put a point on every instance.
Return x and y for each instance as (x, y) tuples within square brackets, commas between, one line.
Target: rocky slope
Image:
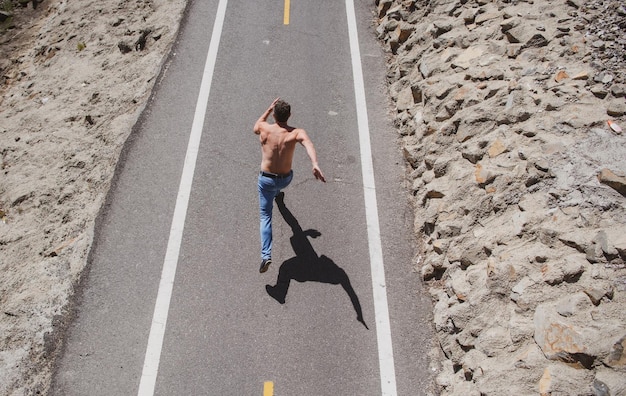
[(510, 114)]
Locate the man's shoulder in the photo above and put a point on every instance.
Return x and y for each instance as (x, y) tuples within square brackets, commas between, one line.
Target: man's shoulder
[(261, 126), (300, 133)]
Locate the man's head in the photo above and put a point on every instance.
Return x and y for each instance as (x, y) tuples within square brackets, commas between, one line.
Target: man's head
[(282, 111)]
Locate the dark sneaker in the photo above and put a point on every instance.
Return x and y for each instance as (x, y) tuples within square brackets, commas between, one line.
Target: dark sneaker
[(265, 264)]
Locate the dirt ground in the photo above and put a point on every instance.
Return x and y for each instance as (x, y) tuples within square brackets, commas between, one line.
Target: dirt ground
[(74, 77)]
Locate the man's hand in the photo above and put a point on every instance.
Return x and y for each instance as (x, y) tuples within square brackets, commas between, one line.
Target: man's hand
[(271, 108), (264, 116), (317, 172)]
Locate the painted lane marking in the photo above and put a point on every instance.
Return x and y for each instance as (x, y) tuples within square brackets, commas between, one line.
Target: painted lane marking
[(268, 388), (381, 308), (286, 13), (161, 307)]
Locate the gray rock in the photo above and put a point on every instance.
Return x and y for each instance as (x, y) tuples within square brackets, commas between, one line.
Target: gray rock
[(469, 57), (469, 15), (615, 181), (566, 270), (616, 108), (600, 388), (599, 91), (400, 34), (493, 341), (526, 35), (574, 304), (405, 99), (565, 380), (617, 355), (383, 7), (440, 27), (595, 295), (613, 380), (618, 90)]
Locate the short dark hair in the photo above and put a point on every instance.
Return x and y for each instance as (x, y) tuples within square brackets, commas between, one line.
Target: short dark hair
[(282, 111)]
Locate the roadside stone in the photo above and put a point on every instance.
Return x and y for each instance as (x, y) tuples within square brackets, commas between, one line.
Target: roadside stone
[(487, 16), (473, 153), (440, 27), (616, 239), (483, 175), (451, 348), (600, 388), (401, 34), (616, 108), (618, 90), (613, 380), (566, 270), (471, 364), (583, 75), (571, 305), (468, 129), (558, 339), (497, 147), (383, 7), (599, 91), (602, 241), (526, 36), (616, 182), (604, 78), (595, 295), (560, 76), (617, 355), (580, 239), (412, 155), (469, 57), (469, 15), (559, 379), (574, 339), (494, 340), (405, 99), (427, 272)]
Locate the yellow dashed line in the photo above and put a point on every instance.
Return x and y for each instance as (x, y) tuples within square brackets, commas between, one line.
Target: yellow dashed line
[(286, 15), (268, 387)]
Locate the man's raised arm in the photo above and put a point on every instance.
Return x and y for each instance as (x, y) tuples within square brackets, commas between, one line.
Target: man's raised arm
[(263, 118)]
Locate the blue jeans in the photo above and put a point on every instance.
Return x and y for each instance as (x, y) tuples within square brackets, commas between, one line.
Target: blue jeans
[(268, 189)]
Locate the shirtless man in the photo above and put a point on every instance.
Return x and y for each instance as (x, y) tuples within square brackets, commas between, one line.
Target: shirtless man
[(278, 143)]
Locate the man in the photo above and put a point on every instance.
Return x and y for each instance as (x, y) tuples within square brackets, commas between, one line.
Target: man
[(278, 144)]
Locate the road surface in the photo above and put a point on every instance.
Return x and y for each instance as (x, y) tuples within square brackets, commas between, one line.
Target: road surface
[(173, 303)]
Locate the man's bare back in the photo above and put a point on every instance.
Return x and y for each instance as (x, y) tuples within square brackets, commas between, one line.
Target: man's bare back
[(278, 144)]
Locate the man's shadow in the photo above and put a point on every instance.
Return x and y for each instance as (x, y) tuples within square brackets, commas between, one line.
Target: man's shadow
[(307, 266)]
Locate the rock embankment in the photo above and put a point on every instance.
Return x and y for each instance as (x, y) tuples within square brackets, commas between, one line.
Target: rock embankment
[(509, 114)]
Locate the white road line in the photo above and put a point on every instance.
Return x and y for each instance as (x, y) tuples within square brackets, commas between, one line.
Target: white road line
[(381, 309), (162, 305)]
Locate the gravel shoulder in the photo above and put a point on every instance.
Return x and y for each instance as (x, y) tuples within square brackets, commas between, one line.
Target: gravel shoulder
[(75, 76)]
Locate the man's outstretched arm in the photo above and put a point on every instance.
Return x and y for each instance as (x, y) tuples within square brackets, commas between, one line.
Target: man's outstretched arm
[(263, 118), (304, 139)]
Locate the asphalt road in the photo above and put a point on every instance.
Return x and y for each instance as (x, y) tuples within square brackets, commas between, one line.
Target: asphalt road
[(225, 334)]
